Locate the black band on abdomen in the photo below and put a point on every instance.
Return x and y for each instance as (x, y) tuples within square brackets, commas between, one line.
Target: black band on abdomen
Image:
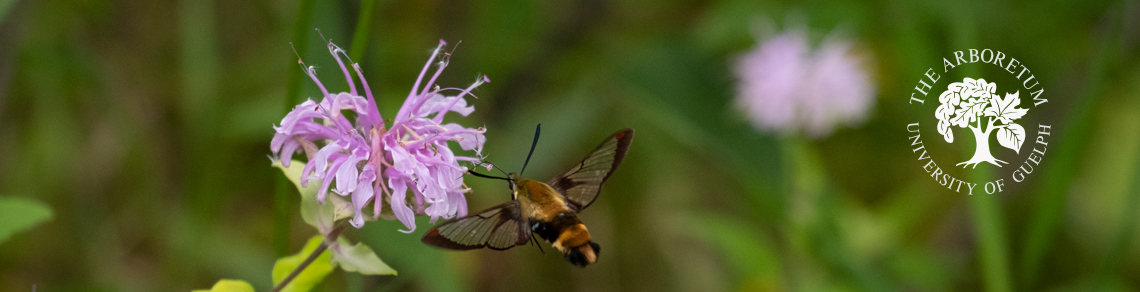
[(551, 230)]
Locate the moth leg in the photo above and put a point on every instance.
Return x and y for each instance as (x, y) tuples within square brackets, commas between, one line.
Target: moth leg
[(536, 243)]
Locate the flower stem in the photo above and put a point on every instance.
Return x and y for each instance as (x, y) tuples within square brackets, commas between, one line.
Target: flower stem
[(986, 209), (1118, 250), (360, 37), (990, 229), (816, 199), (312, 256), (1058, 175), (284, 188)]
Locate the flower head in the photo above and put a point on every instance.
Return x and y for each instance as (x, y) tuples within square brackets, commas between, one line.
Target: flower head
[(787, 87), (372, 162)]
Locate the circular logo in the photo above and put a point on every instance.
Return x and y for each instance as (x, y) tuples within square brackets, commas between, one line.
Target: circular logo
[(978, 98)]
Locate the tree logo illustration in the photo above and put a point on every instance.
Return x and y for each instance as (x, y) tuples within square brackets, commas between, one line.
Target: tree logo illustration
[(974, 104)]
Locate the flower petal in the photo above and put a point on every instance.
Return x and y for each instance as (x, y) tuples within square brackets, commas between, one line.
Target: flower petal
[(326, 180), (400, 207), (287, 151), (363, 193), (346, 176), (438, 103), (323, 156)]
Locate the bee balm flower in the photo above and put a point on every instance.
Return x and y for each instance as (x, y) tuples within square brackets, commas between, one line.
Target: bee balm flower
[(372, 162), (785, 86)]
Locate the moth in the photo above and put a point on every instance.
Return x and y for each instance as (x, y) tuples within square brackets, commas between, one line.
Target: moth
[(547, 209)]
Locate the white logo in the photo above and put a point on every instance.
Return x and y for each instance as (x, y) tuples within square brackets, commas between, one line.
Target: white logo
[(976, 104), (973, 104)]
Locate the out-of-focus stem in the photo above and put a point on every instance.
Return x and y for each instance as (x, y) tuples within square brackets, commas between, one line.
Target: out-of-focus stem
[(990, 230), (284, 188), (1056, 177), (1124, 234), (989, 226), (360, 36)]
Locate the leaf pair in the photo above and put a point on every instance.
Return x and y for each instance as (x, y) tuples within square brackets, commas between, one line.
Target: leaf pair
[(352, 258), (316, 214), (356, 258)]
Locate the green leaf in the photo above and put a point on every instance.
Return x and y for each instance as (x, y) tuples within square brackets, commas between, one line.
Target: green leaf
[(359, 258), (229, 286), (311, 276), (321, 216), (19, 214)]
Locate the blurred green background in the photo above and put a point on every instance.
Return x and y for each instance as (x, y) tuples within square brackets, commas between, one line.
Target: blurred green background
[(145, 126)]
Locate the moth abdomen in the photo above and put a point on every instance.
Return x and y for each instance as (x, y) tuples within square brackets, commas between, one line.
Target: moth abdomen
[(584, 255), (569, 236), (553, 226)]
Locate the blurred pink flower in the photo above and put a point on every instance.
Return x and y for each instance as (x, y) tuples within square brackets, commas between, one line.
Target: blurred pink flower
[(786, 87), (371, 162)]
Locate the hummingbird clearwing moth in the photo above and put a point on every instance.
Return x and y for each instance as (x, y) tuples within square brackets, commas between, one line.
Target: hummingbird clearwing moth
[(548, 209)]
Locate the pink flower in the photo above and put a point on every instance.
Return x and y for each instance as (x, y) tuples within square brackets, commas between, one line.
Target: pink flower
[(786, 87), (372, 163)]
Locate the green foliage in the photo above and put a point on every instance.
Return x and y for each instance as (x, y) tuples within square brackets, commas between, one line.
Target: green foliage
[(352, 258), (5, 6), (229, 286), (321, 216), (311, 276), (359, 258), (18, 214)]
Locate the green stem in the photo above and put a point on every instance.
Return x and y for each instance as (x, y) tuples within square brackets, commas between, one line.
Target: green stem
[(300, 44), (1119, 249), (200, 67), (990, 229), (810, 185), (1125, 233), (360, 37), (989, 226), (5, 7), (331, 237), (1057, 176), (284, 188), (803, 185)]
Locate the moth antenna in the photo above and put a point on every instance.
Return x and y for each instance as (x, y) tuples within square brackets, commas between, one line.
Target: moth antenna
[(537, 130)]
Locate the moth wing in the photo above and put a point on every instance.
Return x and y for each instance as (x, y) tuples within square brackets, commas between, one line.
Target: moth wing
[(581, 183), (500, 227)]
